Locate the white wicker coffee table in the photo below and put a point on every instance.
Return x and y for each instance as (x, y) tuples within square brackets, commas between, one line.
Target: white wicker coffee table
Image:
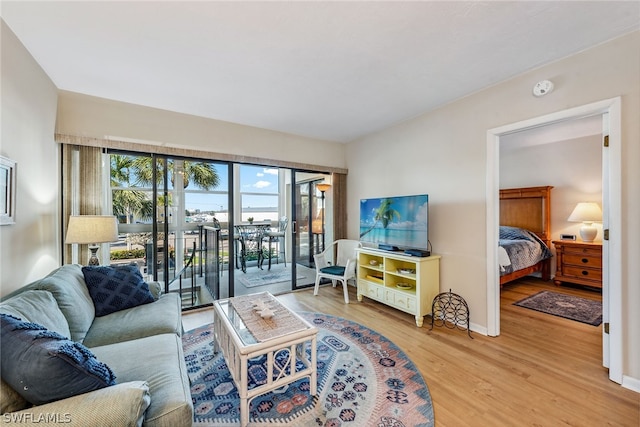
[(242, 335)]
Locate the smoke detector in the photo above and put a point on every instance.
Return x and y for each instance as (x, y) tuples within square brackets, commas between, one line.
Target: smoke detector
[(542, 88)]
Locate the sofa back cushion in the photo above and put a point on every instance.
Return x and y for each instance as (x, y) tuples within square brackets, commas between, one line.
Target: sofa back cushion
[(70, 291), (43, 366), (37, 306)]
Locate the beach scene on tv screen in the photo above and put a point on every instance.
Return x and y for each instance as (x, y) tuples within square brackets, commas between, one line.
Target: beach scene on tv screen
[(398, 221)]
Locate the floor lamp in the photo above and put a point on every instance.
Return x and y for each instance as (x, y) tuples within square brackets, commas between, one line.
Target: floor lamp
[(92, 230), (323, 187)]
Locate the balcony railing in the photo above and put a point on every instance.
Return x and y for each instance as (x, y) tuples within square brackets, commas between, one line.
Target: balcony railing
[(187, 295)]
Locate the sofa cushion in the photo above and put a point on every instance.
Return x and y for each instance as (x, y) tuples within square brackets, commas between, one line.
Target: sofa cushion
[(68, 288), (10, 400), (37, 307), (159, 317), (121, 405), (115, 288), (43, 366), (158, 360)]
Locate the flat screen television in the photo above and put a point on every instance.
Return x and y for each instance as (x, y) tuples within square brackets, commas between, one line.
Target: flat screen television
[(400, 222)]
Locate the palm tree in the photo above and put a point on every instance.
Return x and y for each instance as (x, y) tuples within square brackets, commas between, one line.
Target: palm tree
[(385, 214), (128, 171), (137, 171), (127, 203), (202, 174)]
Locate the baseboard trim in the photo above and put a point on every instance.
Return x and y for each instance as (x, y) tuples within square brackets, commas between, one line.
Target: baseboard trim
[(631, 383), (479, 329)]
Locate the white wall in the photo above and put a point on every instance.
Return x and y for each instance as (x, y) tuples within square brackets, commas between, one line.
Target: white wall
[(443, 153), (29, 249), (83, 115)]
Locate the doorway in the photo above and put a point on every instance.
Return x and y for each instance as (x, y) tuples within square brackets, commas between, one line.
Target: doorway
[(612, 298)]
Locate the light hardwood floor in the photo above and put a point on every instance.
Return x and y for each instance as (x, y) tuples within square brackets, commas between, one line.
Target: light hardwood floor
[(541, 371)]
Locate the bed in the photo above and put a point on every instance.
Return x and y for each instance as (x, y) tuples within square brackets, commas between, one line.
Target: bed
[(525, 233)]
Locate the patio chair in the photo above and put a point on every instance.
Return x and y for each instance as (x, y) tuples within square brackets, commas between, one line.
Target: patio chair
[(275, 236), (344, 267)]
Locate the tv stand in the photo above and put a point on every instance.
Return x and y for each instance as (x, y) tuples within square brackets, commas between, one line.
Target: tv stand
[(408, 283)]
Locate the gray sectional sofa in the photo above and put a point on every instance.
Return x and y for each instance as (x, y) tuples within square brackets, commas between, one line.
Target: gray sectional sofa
[(141, 345)]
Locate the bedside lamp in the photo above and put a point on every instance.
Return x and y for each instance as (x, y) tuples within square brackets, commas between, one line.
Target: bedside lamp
[(91, 230), (587, 213)]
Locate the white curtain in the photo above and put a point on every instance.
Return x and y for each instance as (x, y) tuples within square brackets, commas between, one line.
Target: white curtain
[(85, 191)]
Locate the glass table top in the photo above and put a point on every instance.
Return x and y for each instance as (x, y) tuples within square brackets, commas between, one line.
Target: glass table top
[(236, 322)]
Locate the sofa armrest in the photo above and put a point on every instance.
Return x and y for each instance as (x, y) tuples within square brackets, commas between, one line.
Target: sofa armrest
[(119, 405)]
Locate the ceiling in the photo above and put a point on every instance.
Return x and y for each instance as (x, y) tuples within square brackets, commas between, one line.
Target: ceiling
[(329, 70)]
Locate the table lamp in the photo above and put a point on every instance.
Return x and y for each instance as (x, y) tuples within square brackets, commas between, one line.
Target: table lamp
[(92, 230), (587, 213)]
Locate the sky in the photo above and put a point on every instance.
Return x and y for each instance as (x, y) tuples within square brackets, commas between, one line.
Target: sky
[(262, 181)]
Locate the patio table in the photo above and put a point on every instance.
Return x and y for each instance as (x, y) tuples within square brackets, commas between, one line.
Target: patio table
[(250, 239)]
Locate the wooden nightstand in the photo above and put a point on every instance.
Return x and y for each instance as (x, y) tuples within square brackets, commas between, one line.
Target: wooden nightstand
[(578, 262)]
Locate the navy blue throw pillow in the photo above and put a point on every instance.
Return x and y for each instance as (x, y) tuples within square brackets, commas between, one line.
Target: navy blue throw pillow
[(43, 366), (115, 288)]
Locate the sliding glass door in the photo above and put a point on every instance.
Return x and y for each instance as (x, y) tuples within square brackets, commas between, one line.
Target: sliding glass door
[(310, 232), (165, 206), (210, 230)]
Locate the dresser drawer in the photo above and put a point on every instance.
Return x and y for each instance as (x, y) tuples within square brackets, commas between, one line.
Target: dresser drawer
[(405, 302), (579, 262), (582, 273), (374, 292), (400, 300), (584, 260), (370, 290)]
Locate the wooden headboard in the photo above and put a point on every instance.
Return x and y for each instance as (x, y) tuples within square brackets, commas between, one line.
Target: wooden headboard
[(528, 208)]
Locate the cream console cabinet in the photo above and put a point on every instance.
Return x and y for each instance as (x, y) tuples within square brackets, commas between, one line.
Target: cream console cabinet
[(404, 282)]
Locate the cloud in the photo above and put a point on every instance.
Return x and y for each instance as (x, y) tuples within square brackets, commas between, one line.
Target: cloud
[(270, 171), (262, 184)]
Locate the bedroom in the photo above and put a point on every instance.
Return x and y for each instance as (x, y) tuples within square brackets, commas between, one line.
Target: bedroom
[(567, 157)]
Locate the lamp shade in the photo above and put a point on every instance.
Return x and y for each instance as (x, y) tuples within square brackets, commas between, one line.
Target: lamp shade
[(586, 212), (323, 187), (90, 229)]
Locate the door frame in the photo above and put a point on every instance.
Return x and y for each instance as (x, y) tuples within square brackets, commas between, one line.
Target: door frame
[(312, 178), (613, 182)]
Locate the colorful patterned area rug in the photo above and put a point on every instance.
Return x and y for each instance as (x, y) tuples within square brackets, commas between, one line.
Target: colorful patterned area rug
[(363, 380), (568, 306)]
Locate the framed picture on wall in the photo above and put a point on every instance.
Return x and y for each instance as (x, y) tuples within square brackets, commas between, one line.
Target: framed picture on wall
[(7, 191)]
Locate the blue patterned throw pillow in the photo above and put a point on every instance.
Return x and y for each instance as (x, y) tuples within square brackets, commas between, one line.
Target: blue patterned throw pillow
[(115, 288), (43, 366)]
